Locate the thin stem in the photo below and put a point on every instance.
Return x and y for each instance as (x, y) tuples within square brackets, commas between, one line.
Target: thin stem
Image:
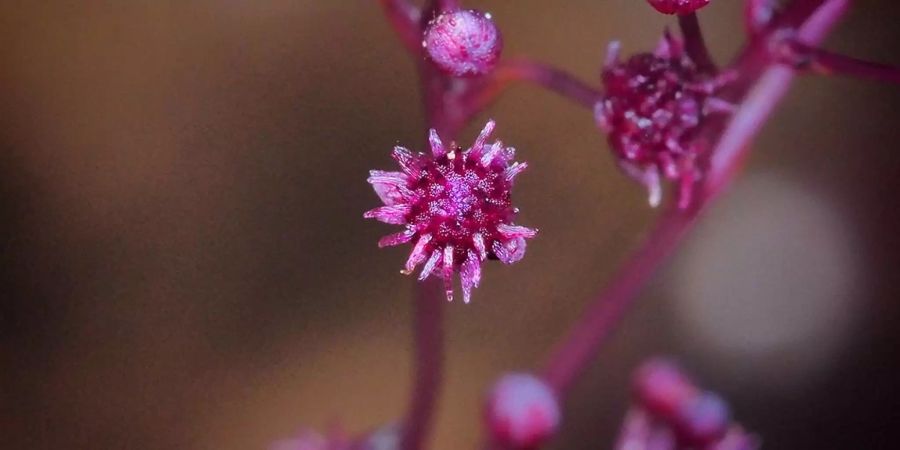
[(815, 60), (550, 78), (405, 18), (694, 42), (429, 356), (607, 310), (609, 307)]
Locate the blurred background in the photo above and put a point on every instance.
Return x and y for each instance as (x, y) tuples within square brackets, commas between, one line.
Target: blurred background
[(185, 264)]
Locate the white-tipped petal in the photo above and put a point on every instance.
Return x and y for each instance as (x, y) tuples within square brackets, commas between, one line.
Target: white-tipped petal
[(514, 170), (437, 146), (418, 254), (430, 265), (491, 153), (391, 187), (406, 159), (470, 275), (448, 272), (397, 238), (478, 146), (478, 242), (516, 231), (510, 251), (392, 214), (613, 50)]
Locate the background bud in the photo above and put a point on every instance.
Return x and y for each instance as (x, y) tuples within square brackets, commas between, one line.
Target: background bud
[(522, 411), (677, 6)]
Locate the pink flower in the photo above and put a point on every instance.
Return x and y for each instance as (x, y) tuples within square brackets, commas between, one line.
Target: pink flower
[(463, 43), (653, 109), (677, 6), (522, 411), (455, 206)]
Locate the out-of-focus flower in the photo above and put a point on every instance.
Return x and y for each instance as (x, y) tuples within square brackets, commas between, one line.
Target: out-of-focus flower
[(455, 205), (677, 6), (463, 42), (652, 110), (672, 412), (522, 411)]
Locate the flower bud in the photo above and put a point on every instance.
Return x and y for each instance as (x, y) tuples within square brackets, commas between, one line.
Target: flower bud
[(463, 43), (522, 411), (703, 419), (677, 6), (662, 388)]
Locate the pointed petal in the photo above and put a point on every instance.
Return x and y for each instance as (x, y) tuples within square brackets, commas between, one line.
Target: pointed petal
[(430, 264), (613, 51), (470, 275), (654, 187), (510, 251), (417, 255), (394, 214), (447, 268), (437, 146), (514, 170), (516, 231), (397, 238), (391, 187), (478, 242), (491, 153), (406, 159), (478, 146)]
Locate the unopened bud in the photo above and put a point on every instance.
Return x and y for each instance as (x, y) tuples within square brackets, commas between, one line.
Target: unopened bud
[(463, 43), (522, 411)]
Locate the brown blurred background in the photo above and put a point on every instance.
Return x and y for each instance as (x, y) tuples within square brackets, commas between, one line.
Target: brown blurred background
[(185, 266)]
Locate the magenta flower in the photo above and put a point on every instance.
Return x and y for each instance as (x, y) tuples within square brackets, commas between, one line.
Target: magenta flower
[(522, 411), (653, 108), (677, 6), (463, 43), (455, 206)]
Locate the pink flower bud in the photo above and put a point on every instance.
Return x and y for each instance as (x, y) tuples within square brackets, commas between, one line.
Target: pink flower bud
[(662, 388), (703, 419), (522, 411), (463, 43), (677, 6)]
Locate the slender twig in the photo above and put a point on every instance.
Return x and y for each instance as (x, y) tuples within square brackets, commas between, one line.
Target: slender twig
[(428, 305), (694, 42), (584, 340), (550, 78), (604, 313), (807, 58)]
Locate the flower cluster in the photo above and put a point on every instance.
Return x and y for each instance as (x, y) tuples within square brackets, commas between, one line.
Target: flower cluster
[(673, 413), (652, 110), (455, 205)]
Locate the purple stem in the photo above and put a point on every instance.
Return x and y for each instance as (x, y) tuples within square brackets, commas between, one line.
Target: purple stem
[(815, 60), (694, 42), (551, 78), (588, 335), (428, 306)]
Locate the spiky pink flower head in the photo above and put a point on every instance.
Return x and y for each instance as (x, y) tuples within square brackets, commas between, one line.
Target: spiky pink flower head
[(522, 411), (455, 205), (652, 110), (677, 6), (463, 42)]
